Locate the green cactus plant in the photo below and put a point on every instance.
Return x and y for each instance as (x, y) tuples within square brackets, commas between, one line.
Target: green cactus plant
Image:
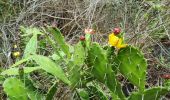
[(166, 83), (79, 54), (30, 31), (15, 89), (31, 46), (110, 50), (149, 94), (58, 37), (101, 70), (18, 90), (132, 65), (97, 62), (88, 39), (78, 62), (87, 63), (94, 89)]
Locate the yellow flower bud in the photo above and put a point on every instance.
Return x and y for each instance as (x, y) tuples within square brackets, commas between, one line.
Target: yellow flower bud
[(16, 54), (15, 46)]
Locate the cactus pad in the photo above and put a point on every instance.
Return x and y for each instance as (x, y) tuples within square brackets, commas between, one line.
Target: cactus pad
[(149, 94), (132, 65), (15, 89)]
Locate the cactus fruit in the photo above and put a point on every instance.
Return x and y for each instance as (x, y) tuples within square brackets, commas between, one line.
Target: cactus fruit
[(82, 38), (116, 31), (132, 65)]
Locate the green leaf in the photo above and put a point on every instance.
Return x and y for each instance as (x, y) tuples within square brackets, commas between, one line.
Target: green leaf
[(83, 94), (57, 57), (132, 65), (31, 47), (21, 61), (75, 76), (15, 89), (32, 44), (33, 95), (58, 37), (30, 31), (49, 66), (52, 91), (149, 94), (15, 71)]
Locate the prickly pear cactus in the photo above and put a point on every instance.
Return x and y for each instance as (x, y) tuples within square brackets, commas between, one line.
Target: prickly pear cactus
[(75, 67), (100, 69), (111, 58), (149, 94), (96, 91), (88, 40), (132, 65), (15, 89), (97, 62), (166, 84), (79, 54), (59, 38)]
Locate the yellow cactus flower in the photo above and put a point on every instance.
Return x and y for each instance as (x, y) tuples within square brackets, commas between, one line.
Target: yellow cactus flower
[(116, 41), (16, 54)]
